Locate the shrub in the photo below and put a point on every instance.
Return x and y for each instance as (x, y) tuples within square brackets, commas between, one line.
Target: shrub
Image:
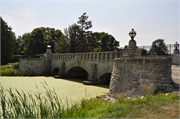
[(12, 73), (144, 52), (15, 65)]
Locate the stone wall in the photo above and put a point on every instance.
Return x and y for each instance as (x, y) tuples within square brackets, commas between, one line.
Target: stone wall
[(176, 59), (130, 73), (37, 65)]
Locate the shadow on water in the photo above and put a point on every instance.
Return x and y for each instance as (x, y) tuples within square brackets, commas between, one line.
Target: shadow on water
[(80, 80)]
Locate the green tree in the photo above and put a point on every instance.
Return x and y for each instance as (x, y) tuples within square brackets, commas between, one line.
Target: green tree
[(126, 46), (144, 52), (27, 44), (62, 45), (108, 42), (7, 42), (70, 34), (39, 42), (85, 42), (36, 42), (17, 46), (158, 47)]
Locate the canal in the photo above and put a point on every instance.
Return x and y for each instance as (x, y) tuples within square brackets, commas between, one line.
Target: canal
[(70, 89)]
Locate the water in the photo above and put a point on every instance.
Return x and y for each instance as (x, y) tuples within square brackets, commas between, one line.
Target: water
[(71, 89)]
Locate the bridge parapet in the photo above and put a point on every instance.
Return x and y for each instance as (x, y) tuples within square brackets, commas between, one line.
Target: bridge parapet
[(91, 56)]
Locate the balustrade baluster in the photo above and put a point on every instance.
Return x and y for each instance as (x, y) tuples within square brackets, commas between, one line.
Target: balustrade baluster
[(108, 57), (103, 55), (91, 56), (88, 57)]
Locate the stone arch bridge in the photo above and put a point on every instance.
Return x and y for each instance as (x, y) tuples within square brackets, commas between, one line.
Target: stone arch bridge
[(95, 66), (129, 69)]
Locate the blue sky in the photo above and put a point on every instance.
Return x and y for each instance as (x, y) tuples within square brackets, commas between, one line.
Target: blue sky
[(151, 19)]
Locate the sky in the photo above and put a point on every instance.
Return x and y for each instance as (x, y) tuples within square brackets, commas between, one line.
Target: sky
[(151, 19)]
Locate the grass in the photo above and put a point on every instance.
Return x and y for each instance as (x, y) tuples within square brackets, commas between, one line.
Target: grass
[(8, 70), (17, 104)]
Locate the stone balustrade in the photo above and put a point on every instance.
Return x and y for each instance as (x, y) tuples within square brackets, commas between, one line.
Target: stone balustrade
[(93, 56)]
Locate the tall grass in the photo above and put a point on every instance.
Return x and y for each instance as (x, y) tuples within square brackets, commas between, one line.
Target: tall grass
[(17, 104), (20, 105)]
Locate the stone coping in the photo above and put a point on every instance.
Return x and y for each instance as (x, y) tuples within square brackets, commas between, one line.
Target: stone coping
[(145, 57), (89, 52), (30, 58)]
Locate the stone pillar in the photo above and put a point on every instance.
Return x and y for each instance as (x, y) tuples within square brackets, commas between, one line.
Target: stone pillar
[(93, 72), (62, 72), (132, 50), (132, 44), (176, 51), (176, 57), (48, 60)]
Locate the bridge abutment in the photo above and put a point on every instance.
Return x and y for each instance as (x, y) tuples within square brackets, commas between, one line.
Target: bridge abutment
[(138, 75)]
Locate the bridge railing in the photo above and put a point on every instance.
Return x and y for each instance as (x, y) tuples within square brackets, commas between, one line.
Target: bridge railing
[(63, 56), (88, 55)]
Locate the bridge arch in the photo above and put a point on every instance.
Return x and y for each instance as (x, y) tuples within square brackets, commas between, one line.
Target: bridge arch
[(104, 75), (105, 78), (77, 64), (55, 71), (77, 71), (104, 71)]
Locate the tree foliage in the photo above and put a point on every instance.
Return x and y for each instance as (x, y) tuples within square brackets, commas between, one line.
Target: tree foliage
[(158, 47), (108, 42), (7, 42), (70, 35), (76, 38), (18, 46), (144, 52), (62, 45), (85, 42), (36, 42)]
